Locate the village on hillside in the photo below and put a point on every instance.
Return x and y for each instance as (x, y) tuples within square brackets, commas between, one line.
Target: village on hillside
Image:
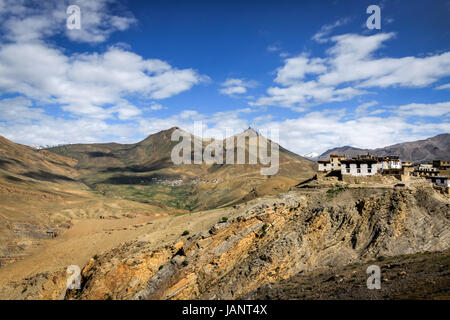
[(369, 165)]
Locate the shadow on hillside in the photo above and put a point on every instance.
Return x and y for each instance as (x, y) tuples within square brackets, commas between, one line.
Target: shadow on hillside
[(14, 179), (46, 176), (157, 165), (98, 154), (150, 179), (8, 161)]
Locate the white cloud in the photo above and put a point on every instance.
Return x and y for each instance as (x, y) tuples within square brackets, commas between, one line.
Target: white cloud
[(296, 68), (326, 29), (273, 48), (94, 87), (22, 123), (233, 90), (155, 107), (233, 86), (90, 88), (49, 132), (19, 109), (366, 71), (348, 68), (213, 125), (125, 111), (87, 84), (36, 20), (443, 87), (300, 95), (320, 131), (440, 109), (362, 108), (313, 132), (37, 128)]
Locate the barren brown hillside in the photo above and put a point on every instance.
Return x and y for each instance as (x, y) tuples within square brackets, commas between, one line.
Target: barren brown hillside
[(141, 232), (43, 191), (115, 169)]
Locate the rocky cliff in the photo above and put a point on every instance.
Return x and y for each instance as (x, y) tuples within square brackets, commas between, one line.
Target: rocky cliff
[(278, 238)]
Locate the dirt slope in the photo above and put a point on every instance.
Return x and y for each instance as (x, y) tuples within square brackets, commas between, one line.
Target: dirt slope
[(40, 195)]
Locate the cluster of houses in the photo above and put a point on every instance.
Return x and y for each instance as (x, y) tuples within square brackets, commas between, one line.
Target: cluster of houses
[(430, 171), (369, 165)]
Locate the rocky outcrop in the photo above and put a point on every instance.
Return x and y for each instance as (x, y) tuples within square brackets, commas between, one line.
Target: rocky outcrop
[(413, 276), (275, 240)]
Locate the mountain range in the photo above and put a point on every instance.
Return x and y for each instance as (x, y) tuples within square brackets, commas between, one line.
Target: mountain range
[(148, 164), (420, 151), (44, 189)]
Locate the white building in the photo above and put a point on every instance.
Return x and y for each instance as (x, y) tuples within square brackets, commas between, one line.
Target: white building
[(359, 167), (324, 165), (334, 164), (363, 165), (439, 181), (425, 170), (394, 163), (388, 163), (426, 167)]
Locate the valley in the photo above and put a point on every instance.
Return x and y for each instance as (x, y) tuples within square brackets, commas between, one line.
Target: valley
[(140, 227)]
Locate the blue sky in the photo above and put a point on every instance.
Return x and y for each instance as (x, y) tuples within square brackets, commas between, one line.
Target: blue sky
[(311, 69)]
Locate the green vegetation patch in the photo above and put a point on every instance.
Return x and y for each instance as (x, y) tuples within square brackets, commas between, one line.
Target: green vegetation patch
[(176, 197), (331, 193)]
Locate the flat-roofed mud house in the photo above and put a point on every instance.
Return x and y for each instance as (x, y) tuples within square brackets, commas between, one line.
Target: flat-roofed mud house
[(425, 170), (407, 168), (363, 165), (392, 165), (333, 164), (359, 167), (389, 163), (441, 164), (439, 181), (369, 165), (408, 164)]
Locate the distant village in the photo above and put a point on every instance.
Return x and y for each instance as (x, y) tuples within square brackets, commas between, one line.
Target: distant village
[(370, 165)]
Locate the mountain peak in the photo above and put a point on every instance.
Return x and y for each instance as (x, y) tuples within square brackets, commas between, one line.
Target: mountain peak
[(311, 155), (250, 130), (166, 132)]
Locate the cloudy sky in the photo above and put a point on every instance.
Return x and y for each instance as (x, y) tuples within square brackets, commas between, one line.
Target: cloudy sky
[(312, 69)]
